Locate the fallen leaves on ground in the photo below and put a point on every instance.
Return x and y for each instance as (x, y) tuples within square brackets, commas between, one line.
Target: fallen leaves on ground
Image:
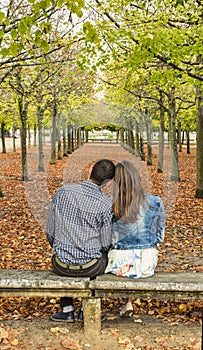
[(24, 244), (70, 344)]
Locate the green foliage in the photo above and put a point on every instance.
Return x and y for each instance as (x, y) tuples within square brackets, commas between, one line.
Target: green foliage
[(4, 52), (75, 6), (167, 33), (27, 26), (179, 2), (44, 45), (90, 32), (144, 49), (102, 126), (14, 49), (2, 16), (8, 108)]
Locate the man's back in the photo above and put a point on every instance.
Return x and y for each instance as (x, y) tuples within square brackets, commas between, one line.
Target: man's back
[(79, 230), (82, 222)]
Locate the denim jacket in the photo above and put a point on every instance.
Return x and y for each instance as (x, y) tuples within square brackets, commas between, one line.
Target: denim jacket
[(146, 232)]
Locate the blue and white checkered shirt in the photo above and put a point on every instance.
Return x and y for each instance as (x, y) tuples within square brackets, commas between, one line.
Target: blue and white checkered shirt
[(79, 225)]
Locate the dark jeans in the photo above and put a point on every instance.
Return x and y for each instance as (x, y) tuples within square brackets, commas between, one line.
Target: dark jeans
[(93, 271)]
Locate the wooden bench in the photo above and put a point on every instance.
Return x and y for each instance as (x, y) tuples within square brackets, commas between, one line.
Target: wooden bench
[(165, 285)]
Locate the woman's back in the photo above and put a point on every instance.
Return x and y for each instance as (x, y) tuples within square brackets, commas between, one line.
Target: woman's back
[(138, 225), (146, 232)]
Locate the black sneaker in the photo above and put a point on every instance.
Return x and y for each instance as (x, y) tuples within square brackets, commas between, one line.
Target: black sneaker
[(63, 317), (103, 317), (81, 319)]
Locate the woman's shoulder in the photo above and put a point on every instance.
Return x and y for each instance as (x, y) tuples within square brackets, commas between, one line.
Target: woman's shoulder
[(153, 199)]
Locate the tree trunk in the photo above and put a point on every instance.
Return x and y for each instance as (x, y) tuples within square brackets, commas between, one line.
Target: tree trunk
[(183, 137), (149, 137), (69, 131), (72, 139), (83, 136), (40, 139), (173, 139), (142, 153), (35, 135), (23, 109), (126, 138), (3, 137), (65, 153), (188, 139), (161, 137), (86, 135), (53, 136), (29, 136), (117, 136), (75, 139), (121, 136), (60, 156), (14, 139), (199, 144), (58, 135), (179, 136), (131, 141), (137, 141), (44, 136)]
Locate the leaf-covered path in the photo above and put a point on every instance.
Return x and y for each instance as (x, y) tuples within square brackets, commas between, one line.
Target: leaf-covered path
[(24, 208)]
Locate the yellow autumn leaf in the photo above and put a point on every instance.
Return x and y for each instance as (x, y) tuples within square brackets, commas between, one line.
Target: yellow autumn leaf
[(183, 308), (14, 342), (52, 301), (54, 329), (121, 341)]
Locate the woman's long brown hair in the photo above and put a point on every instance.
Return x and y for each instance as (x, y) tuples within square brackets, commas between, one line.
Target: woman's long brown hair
[(128, 193)]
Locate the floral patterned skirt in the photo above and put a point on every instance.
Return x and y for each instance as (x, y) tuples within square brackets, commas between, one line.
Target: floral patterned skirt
[(133, 263)]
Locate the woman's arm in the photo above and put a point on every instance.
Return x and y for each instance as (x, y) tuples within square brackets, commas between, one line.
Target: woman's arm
[(160, 223)]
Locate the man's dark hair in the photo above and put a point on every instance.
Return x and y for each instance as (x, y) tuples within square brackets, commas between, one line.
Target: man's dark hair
[(102, 171)]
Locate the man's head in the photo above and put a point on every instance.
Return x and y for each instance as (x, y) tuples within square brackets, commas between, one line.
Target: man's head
[(102, 171)]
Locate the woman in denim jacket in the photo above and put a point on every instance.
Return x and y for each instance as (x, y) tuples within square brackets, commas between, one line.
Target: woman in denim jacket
[(138, 228)]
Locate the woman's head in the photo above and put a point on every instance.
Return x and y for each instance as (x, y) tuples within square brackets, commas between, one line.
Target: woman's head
[(128, 193)]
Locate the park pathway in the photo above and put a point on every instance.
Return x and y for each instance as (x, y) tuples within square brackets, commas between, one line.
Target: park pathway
[(82, 159), (76, 168)]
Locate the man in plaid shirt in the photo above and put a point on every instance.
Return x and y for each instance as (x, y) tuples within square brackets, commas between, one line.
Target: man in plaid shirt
[(79, 230)]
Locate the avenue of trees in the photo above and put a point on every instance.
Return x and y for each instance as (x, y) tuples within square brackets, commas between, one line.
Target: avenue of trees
[(60, 59)]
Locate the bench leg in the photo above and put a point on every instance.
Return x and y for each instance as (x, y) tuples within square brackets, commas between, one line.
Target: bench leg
[(92, 317)]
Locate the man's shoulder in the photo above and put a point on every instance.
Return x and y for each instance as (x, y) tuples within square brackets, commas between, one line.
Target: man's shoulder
[(106, 198), (68, 187)]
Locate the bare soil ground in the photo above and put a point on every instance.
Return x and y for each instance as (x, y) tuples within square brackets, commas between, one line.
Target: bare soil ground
[(139, 332)]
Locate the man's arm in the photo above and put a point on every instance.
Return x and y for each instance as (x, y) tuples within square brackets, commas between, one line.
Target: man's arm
[(50, 227), (106, 231)]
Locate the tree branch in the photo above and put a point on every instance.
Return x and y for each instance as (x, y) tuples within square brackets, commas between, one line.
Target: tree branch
[(163, 59)]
